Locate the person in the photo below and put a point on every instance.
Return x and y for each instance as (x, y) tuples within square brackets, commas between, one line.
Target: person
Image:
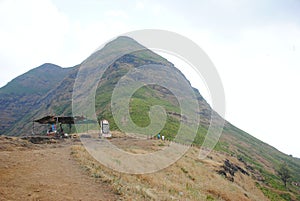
[(158, 136), (53, 128), (163, 138), (61, 128), (49, 130), (61, 132)]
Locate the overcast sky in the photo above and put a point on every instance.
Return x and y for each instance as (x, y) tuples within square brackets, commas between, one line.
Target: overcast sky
[(255, 46)]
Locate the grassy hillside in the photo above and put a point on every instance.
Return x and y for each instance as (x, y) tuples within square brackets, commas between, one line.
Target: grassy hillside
[(44, 78), (21, 96), (260, 159), (57, 101), (266, 160), (187, 179), (257, 155)]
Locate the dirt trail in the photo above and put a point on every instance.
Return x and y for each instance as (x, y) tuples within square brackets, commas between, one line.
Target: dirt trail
[(47, 173)]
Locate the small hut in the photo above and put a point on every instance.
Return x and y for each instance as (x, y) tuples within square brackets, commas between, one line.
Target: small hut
[(55, 121)]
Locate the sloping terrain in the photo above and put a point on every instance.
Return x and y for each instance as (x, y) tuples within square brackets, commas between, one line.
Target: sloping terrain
[(23, 94), (45, 172), (187, 179), (249, 151)]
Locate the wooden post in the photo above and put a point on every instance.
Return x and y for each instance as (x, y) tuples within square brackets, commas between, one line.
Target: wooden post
[(70, 126), (32, 126)]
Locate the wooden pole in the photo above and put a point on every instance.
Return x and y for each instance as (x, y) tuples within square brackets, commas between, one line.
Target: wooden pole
[(32, 126)]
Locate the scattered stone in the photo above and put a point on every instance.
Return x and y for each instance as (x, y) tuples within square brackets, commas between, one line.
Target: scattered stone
[(243, 171), (258, 177), (222, 172), (241, 159), (250, 168), (230, 178), (231, 168), (210, 157), (150, 194)]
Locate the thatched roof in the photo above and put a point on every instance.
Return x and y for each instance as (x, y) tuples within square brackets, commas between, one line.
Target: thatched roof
[(64, 120)]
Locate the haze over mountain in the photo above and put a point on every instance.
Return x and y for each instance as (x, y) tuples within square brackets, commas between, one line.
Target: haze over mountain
[(48, 90)]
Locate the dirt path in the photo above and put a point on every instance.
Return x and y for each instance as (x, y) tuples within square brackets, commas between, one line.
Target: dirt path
[(47, 174)]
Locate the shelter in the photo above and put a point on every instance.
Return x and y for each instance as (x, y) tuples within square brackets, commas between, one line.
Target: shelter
[(63, 120), (50, 119)]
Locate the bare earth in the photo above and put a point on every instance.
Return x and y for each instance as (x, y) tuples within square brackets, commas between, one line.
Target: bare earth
[(47, 173)]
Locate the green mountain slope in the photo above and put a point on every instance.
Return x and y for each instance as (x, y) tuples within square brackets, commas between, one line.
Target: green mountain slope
[(261, 159), (22, 95), (146, 96), (264, 159), (44, 78)]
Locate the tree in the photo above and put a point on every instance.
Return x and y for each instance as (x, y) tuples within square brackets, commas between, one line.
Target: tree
[(284, 173)]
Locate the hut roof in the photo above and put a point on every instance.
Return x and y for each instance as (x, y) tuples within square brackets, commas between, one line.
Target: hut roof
[(64, 120)]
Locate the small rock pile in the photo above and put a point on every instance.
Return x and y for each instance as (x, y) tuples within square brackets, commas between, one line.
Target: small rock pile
[(228, 170)]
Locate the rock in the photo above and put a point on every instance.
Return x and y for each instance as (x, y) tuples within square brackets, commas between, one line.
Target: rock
[(230, 179), (241, 159), (250, 168), (150, 194), (231, 168), (222, 172), (258, 177), (210, 157), (243, 171)]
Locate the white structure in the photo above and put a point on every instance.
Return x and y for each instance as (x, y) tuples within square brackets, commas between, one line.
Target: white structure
[(105, 132)]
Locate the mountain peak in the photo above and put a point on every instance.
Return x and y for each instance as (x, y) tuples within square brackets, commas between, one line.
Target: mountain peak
[(125, 38), (41, 76), (49, 65), (123, 42)]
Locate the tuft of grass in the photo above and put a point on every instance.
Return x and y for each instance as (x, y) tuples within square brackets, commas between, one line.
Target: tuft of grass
[(286, 196), (209, 198), (184, 170), (273, 196)]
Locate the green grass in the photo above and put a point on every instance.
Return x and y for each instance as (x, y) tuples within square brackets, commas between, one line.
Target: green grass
[(146, 97), (271, 195), (223, 146), (47, 73), (274, 196), (272, 180), (209, 198)]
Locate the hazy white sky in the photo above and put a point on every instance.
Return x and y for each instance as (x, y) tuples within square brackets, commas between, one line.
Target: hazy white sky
[(255, 46)]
